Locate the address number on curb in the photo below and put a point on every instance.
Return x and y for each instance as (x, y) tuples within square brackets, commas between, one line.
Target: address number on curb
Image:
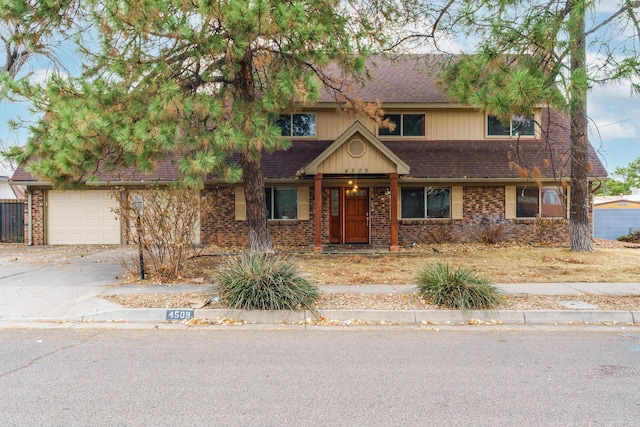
[(179, 314)]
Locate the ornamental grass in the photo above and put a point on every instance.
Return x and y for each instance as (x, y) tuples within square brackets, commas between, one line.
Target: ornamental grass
[(457, 288), (260, 281)]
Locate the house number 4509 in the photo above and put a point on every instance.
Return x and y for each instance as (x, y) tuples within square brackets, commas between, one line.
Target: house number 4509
[(356, 171), (179, 314)]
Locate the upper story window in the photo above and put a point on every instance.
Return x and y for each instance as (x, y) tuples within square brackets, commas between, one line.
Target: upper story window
[(406, 125), (429, 202), (517, 126), (303, 124), (546, 202)]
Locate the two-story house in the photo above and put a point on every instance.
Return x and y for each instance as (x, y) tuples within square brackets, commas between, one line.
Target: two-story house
[(445, 173)]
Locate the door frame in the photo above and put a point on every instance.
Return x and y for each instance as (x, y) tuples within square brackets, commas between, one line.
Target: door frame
[(337, 223)]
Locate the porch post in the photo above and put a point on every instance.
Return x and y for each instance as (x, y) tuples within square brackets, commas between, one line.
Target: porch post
[(317, 212), (393, 245)]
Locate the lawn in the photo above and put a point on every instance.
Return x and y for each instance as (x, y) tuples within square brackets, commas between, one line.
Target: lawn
[(499, 264)]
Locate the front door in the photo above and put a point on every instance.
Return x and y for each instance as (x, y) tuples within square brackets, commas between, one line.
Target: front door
[(357, 216)]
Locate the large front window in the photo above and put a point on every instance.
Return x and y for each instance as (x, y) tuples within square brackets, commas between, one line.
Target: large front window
[(546, 202), (425, 202), (282, 203), (303, 124), (405, 125), (517, 126)]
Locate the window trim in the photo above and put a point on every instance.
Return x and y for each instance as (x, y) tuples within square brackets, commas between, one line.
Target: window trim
[(402, 114), (511, 201), (302, 203), (272, 196), (511, 135), (291, 115), (452, 206)]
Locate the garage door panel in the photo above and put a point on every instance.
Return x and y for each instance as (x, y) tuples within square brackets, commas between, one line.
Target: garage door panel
[(82, 217)]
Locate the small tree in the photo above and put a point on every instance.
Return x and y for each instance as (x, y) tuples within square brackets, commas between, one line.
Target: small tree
[(164, 221), (613, 187), (629, 178)]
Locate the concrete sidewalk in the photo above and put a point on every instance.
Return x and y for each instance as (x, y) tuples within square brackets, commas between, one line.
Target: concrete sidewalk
[(577, 315), (68, 293)]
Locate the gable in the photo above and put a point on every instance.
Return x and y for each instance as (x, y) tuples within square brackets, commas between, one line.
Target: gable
[(357, 150)]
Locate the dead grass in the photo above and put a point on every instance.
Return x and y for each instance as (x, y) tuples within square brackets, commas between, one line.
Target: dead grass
[(610, 262), (499, 264)]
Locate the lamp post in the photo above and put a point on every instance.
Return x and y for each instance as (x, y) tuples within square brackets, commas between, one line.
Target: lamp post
[(137, 206)]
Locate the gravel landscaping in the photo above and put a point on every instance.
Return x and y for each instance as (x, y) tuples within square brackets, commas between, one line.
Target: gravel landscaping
[(384, 302)]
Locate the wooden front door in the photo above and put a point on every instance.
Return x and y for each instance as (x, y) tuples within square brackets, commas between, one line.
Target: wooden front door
[(357, 216)]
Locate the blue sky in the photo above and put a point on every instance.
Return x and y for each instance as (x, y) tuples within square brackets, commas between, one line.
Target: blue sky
[(614, 113), (615, 125)]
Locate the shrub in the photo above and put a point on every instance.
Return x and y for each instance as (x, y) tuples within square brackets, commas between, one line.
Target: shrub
[(458, 288), (163, 222), (492, 233), (440, 234), (264, 282), (631, 237)]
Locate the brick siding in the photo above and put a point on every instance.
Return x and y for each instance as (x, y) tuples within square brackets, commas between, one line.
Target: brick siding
[(483, 207), (37, 217), (220, 227)]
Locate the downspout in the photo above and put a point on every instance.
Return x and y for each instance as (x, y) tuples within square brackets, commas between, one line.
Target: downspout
[(29, 220)]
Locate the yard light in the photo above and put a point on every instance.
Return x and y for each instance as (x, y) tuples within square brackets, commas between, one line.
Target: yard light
[(137, 206)]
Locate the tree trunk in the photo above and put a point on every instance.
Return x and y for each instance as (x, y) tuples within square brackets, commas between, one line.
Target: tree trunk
[(259, 239), (579, 224)]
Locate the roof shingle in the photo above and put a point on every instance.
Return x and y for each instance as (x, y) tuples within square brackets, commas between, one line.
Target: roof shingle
[(406, 81)]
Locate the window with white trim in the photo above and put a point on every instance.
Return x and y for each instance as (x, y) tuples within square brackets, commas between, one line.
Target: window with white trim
[(405, 125), (517, 126), (425, 202), (282, 203), (302, 124), (546, 202)]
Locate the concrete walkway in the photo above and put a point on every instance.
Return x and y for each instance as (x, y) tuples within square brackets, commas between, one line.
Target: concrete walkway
[(67, 292)]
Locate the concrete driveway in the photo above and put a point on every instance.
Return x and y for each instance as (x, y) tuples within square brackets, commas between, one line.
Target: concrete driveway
[(56, 282)]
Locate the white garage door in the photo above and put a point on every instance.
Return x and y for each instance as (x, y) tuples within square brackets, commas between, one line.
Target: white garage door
[(82, 217)]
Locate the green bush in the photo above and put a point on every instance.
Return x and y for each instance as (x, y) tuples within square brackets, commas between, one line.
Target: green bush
[(259, 281), (458, 288)]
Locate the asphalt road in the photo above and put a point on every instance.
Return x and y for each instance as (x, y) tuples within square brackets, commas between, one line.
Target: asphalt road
[(328, 378)]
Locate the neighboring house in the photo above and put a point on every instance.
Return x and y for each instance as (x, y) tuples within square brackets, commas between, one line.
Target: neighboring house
[(446, 173), (9, 192), (11, 212), (616, 216)]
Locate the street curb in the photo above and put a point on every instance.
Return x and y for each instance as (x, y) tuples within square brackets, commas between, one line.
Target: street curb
[(516, 317), (600, 316)]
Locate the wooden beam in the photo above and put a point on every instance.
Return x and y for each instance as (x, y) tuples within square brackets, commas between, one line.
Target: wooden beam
[(393, 244), (317, 212)]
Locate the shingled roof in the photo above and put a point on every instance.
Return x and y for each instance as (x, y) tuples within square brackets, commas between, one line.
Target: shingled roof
[(165, 171), (405, 81), (480, 160)]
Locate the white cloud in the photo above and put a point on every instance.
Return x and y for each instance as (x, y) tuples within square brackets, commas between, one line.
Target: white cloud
[(615, 112), (615, 124), (39, 76)]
